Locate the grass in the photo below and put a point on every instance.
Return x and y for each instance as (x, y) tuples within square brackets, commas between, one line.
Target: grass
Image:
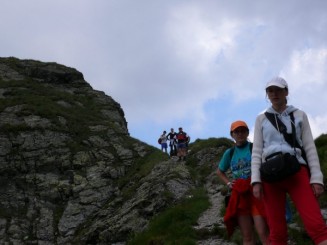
[(174, 226), (199, 173), (41, 99), (141, 168), (200, 144)]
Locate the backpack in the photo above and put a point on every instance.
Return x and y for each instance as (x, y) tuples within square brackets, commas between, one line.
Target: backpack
[(159, 141), (181, 136)]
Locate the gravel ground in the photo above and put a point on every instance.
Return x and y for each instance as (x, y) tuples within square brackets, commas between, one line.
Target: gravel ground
[(211, 217)]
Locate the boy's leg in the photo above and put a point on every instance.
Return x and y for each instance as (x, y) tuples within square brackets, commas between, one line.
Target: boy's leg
[(246, 227), (261, 228)]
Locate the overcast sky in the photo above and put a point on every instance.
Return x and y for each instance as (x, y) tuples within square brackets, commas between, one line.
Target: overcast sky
[(198, 64)]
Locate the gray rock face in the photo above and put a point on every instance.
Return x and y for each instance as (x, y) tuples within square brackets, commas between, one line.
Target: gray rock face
[(70, 172)]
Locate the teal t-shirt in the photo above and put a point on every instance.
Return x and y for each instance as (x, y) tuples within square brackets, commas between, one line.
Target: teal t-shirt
[(240, 164)]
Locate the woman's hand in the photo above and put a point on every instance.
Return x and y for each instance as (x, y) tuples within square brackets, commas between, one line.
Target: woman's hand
[(257, 190), (318, 189), (230, 184)]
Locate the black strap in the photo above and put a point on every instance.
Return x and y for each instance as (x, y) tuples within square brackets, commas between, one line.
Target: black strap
[(290, 138), (295, 143)]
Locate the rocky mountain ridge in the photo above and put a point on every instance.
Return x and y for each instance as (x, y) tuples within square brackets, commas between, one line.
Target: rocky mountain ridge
[(70, 172)]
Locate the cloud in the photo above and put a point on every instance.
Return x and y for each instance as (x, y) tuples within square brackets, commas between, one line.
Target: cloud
[(196, 64), (318, 125), (307, 76)]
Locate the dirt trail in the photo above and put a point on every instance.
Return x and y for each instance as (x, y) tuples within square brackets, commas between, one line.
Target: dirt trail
[(211, 217)]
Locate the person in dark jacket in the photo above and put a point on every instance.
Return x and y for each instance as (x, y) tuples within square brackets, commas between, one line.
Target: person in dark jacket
[(171, 137)]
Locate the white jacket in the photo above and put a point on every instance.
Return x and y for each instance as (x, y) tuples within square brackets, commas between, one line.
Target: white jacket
[(267, 140)]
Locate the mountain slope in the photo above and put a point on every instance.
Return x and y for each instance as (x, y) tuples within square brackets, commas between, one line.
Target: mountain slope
[(70, 172)]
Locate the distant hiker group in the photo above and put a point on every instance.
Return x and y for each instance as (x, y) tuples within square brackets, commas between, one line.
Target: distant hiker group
[(178, 143)]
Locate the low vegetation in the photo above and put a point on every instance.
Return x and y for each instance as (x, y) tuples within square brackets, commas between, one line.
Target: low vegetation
[(174, 226), (35, 98), (140, 169)]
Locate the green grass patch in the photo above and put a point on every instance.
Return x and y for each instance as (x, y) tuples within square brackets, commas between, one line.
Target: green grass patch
[(174, 226), (141, 168), (200, 144), (41, 99), (200, 172)]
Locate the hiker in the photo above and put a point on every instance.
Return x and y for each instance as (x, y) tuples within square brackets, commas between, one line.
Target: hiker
[(172, 142), (163, 141), (286, 129), (243, 209), (182, 142)]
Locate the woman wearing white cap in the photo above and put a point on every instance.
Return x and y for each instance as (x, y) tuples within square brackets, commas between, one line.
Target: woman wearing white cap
[(306, 184)]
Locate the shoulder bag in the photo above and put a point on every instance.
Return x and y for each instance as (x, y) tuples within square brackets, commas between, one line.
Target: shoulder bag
[(279, 166)]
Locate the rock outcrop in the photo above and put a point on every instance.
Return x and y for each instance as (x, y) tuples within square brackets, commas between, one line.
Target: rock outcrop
[(70, 172)]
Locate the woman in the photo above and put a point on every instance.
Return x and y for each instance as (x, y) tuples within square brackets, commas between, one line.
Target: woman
[(163, 143), (243, 209), (305, 186)]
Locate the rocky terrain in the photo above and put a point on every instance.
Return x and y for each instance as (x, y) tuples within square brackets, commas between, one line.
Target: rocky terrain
[(70, 172)]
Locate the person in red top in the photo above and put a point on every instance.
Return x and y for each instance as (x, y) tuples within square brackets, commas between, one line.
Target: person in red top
[(182, 141)]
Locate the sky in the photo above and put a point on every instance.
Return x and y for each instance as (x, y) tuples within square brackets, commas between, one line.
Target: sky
[(196, 64)]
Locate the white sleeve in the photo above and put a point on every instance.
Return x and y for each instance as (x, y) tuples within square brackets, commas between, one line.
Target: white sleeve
[(257, 150), (310, 149)]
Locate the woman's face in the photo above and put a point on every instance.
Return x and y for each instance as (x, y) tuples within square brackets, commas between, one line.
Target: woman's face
[(240, 135), (277, 95)]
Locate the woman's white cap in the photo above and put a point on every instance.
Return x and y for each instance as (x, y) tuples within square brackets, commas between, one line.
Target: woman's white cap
[(277, 81)]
